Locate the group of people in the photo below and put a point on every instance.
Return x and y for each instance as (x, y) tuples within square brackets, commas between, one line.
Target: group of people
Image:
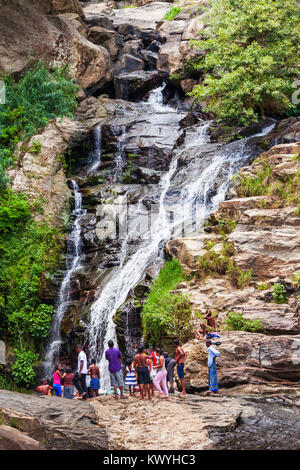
[(85, 379), (150, 370)]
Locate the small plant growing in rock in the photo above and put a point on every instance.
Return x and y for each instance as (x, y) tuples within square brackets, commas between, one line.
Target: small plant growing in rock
[(279, 293), (236, 321), (172, 13), (36, 146), (262, 286), (296, 279)]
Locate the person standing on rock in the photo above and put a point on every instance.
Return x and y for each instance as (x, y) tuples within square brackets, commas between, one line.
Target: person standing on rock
[(80, 376), (212, 368), (160, 380), (141, 364), (68, 383), (114, 356), (170, 366), (180, 358), (95, 379), (57, 381)]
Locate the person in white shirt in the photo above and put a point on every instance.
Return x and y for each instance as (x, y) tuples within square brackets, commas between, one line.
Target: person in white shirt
[(212, 368), (80, 376)]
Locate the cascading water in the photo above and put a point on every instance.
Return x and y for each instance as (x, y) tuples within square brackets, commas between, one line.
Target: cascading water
[(74, 250), (198, 187)]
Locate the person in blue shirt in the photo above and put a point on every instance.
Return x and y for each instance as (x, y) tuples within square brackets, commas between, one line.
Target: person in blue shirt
[(212, 368)]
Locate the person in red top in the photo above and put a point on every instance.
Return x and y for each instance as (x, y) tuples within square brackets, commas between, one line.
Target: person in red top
[(180, 358)]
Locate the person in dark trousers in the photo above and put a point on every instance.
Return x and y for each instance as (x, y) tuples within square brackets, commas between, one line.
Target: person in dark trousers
[(80, 376), (170, 366)]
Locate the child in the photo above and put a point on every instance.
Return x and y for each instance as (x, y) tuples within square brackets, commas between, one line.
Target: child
[(68, 383), (95, 379), (131, 378)]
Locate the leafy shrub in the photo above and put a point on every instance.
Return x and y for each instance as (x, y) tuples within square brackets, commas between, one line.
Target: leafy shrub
[(22, 369), (40, 96), (166, 313), (236, 321), (279, 293), (172, 13), (250, 62), (27, 250)]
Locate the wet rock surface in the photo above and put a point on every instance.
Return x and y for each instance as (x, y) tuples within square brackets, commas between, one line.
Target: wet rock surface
[(272, 424)]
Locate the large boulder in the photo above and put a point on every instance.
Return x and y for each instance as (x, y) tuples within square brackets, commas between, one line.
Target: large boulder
[(29, 33), (58, 423), (67, 6), (245, 358)]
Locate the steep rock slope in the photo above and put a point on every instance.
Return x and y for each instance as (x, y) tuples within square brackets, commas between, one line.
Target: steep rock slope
[(250, 245)]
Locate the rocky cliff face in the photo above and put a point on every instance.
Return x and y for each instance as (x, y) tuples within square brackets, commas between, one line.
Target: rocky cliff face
[(262, 220)]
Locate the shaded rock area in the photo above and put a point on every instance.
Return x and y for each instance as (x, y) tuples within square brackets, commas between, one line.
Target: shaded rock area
[(56, 423), (12, 439)]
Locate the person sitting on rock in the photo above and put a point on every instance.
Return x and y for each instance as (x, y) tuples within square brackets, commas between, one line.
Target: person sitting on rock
[(212, 368), (95, 379), (201, 332), (45, 388)]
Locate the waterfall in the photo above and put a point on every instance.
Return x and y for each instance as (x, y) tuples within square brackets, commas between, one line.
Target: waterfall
[(96, 158), (74, 251), (194, 203)]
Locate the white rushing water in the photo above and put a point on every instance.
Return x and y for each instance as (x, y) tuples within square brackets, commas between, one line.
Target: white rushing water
[(74, 244), (75, 247), (194, 202)]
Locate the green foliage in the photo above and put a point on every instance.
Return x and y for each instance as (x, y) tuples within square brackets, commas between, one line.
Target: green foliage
[(238, 277), (40, 96), (262, 286), (166, 313), (279, 293), (36, 146), (296, 279), (27, 250), (22, 369), (236, 321), (172, 13), (251, 59), (254, 185)]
